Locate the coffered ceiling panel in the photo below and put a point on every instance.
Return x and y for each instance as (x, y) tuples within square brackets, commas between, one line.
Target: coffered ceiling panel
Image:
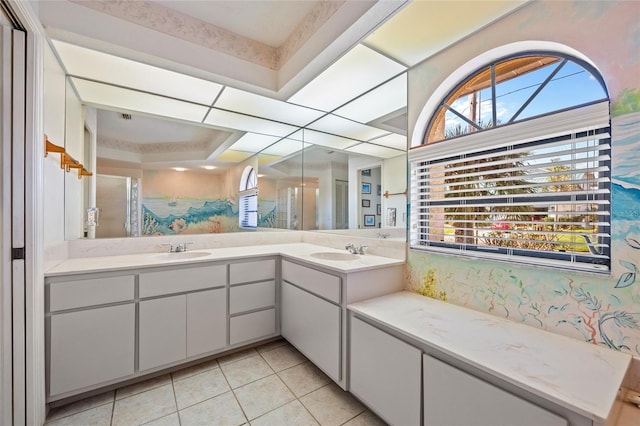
[(380, 101), (104, 95), (283, 148), (348, 128), (350, 76), (262, 106), (98, 66), (323, 139), (252, 142), (375, 150), (248, 123)]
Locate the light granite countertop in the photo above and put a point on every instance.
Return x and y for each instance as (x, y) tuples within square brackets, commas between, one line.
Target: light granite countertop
[(582, 377), (299, 251)]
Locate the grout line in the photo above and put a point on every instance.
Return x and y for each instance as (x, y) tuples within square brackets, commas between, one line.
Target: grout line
[(279, 406), (175, 398), (113, 407), (218, 365), (233, 393)]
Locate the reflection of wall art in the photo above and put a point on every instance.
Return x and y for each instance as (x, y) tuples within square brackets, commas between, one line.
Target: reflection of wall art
[(366, 172), (366, 203), (379, 189), (366, 188), (378, 209), (369, 220), (162, 216), (391, 216)]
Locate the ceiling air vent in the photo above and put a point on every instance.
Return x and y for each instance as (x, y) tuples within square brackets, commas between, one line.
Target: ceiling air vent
[(125, 116)]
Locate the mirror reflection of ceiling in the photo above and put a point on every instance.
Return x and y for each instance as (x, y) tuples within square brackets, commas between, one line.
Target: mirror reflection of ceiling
[(254, 76)]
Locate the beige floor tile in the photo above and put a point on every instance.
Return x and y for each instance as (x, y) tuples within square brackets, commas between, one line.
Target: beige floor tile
[(144, 407), (200, 387), (82, 405), (366, 419), (293, 413), (96, 416), (331, 405), (262, 396), (170, 420), (246, 371), (629, 415), (237, 356), (221, 410), (272, 345), (146, 385), (283, 357), (304, 378), (195, 369)]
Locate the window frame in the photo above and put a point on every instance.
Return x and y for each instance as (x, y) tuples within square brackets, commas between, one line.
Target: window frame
[(491, 66), (589, 116), (248, 195)]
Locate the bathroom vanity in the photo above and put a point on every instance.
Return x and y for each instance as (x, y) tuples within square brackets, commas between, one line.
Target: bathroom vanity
[(415, 360), (116, 318), (412, 360)]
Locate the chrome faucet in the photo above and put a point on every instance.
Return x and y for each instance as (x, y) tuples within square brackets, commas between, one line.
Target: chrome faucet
[(177, 248), (353, 249)]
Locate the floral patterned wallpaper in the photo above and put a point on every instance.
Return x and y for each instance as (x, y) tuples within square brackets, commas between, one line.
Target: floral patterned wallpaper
[(599, 310)]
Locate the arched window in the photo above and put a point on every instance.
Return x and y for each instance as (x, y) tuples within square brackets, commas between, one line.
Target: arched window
[(248, 200), (515, 165)]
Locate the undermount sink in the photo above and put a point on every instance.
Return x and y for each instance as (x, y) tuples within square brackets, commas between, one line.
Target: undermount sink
[(181, 255), (331, 255)]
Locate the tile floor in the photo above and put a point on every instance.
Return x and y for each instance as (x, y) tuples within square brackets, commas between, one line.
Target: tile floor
[(272, 384)]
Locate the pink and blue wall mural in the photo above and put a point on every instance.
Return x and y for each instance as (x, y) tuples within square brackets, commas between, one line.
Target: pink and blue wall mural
[(187, 203), (599, 309)]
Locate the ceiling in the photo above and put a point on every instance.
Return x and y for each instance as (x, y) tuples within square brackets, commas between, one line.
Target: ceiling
[(254, 75), (268, 22)]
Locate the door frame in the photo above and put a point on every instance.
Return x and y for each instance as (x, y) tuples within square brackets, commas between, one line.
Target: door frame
[(32, 236)]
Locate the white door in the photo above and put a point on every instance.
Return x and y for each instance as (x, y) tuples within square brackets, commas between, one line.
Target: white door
[(342, 204), (12, 229)]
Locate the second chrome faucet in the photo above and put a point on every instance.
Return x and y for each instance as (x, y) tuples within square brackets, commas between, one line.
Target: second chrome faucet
[(177, 248), (353, 249)]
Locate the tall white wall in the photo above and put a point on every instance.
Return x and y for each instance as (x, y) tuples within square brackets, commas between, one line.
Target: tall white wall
[(54, 127), (75, 146)]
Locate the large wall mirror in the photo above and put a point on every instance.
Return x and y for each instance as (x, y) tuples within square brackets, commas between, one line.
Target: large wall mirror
[(190, 156)]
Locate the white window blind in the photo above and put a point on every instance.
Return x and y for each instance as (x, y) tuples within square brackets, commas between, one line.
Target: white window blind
[(248, 209), (536, 191)]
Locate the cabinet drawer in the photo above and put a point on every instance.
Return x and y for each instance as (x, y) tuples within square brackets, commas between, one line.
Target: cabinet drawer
[(320, 283), (181, 280), (252, 326), (252, 296), (245, 272), (89, 292)]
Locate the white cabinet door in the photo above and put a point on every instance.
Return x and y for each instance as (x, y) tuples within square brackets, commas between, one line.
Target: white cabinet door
[(312, 325), (453, 397), (384, 373), (206, 321), (91, 347), (163, 331)]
